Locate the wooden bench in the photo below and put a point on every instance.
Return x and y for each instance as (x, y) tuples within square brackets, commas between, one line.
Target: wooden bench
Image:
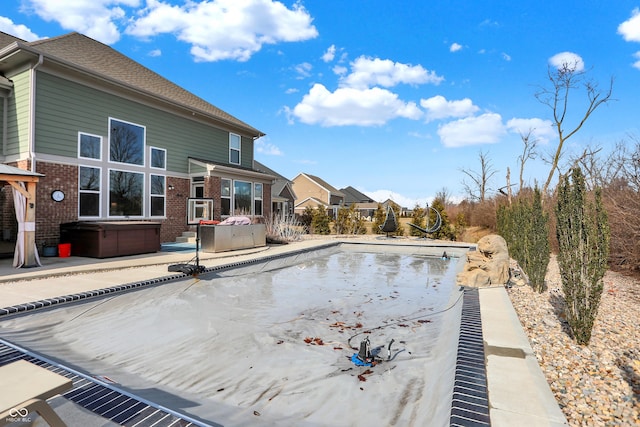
[(25, 388)]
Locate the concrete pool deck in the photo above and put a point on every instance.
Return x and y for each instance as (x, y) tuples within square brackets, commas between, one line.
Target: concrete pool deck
[(518, 392)]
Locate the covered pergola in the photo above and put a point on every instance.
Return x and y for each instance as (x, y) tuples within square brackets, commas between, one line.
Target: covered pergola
[(23, 183)]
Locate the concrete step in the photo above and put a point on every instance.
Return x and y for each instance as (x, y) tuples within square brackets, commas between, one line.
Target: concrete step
[(187, 237)]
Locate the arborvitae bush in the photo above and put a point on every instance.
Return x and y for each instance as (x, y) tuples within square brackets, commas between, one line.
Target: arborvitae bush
[(306, 218), (321, 223), (524, 226), (378, 219), (583, 241), (446, 230), (349, 222), (417, 218)]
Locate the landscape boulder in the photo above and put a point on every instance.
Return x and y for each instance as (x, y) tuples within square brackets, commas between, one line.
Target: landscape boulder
[(488, 265)]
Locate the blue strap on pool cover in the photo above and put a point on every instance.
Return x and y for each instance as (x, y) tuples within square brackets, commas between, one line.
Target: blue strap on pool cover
[(359, 362)]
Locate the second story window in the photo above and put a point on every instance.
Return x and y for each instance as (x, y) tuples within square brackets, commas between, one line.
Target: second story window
[(126, 142), (234, 149)]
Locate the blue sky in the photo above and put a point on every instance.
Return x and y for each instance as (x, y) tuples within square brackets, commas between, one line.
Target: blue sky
[(392, 98)]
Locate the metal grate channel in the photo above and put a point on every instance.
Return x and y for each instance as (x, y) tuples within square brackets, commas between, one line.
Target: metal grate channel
[(470, 404), (107, 402)]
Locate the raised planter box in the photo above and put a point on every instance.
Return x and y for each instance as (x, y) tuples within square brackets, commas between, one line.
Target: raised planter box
[(105, 239), (221, 238)]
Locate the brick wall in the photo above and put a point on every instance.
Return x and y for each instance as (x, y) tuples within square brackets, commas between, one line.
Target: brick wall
[(50, 214), (176, 205)]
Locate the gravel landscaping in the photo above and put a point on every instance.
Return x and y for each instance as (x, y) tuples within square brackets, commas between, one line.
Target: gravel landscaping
[(598, 384)]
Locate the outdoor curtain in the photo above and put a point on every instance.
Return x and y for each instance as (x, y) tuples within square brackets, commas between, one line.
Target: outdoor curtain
[(20, 203)]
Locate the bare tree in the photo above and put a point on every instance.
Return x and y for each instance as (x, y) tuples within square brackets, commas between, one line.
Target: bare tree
[(477, 189), (444, 195), (563, 81), (528, 153)]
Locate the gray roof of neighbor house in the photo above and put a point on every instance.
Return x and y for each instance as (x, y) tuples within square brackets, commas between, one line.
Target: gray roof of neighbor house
[(351, 195), (280, 181), (88, 55)]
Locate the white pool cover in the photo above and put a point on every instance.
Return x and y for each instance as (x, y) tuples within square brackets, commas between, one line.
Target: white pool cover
[(271, 343)]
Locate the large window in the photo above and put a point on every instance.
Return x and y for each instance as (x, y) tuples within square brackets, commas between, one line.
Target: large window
[(257, 199), (89, 146), (241, 198), (234, 149), (89, 192), (225, 195), (126, 142), (126, 193), (157, 195)]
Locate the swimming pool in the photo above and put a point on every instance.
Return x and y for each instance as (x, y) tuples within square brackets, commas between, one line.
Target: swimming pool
[(270, 343)]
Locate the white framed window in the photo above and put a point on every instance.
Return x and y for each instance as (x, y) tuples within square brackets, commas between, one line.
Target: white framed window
[(89, 194), (257, 199), (126, 193), (158, 158), (126, 142), (242, 192), (89, 146), (234, 148), (158, 194), (225, 196)]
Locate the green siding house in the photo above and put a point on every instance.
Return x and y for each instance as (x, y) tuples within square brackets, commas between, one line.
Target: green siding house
[(120, 141)]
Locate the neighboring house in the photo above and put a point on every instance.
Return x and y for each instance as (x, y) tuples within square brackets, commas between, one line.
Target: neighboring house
[(118, 140), (313, 191), (282, 196), (404, 211), (364, 204)]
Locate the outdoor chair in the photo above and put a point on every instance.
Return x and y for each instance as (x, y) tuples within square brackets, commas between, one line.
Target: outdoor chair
[(436, 226), (390, 224), (25, 388)]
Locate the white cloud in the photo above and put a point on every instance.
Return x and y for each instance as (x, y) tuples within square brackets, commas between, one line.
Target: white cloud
[(340, 70), (367, 72), (303, 70), (329, 54), (540, 129), (455, 47), (240, 30), (267, 148), (352, 106), (439, 108), (381, 196), (155, 52), (17, 30), (506, 57), (571, 60), (484, 129), (630, 29), (94, 18), (637, 63)]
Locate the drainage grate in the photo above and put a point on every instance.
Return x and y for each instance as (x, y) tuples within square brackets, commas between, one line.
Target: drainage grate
[(107, 402), (470, 404)]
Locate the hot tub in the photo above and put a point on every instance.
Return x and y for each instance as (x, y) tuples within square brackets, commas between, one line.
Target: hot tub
[(104, 239)]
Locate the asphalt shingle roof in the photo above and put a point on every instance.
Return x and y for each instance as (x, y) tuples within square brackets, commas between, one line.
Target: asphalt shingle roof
[(97, 58)]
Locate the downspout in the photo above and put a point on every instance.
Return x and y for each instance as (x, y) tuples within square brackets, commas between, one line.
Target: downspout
[(32, 113), (5, 117)]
